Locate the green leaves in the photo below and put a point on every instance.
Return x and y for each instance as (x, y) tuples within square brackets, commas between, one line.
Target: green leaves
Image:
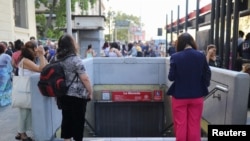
[(49, 27), (92, 2), (122, 34)]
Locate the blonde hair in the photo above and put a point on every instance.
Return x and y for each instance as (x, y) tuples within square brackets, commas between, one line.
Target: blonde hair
[(246, 67)]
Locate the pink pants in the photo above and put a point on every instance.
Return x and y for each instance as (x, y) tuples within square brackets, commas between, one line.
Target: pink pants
[(187, 115)]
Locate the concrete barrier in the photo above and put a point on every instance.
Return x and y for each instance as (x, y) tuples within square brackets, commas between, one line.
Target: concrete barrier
[(230, 108), (46, 118), (126, 74), (227, 107)]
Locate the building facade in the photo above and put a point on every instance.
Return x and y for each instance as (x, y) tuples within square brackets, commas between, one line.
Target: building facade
[(17, 20)]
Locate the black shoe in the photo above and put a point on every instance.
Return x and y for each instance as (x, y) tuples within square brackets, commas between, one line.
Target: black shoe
[(18, 136)]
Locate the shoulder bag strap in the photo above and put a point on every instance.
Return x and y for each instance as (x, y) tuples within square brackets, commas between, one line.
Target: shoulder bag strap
[(21, 66), (72, 80)]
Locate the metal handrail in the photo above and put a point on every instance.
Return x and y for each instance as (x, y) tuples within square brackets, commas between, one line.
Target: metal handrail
[(212, 93), (217, 88)]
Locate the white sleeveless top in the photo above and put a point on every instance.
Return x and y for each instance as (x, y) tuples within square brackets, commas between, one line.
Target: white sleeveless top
[(112, 54), (24, 72)]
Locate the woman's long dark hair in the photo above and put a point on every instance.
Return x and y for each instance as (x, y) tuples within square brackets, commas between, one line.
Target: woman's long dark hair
[(105, 45), (66, 46), (185, 39), (130, 46)]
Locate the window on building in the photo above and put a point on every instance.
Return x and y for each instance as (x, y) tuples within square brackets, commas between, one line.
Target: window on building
[(20, 9)]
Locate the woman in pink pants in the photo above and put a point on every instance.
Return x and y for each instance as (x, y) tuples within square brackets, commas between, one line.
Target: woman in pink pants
[(191, 76)]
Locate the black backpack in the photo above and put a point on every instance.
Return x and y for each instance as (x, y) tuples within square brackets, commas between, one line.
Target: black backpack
[(52, 81)]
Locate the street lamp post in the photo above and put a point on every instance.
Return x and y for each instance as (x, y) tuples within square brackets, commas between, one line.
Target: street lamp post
[(166, 45), (100, 7), (68, 13), (109, 15), (109, 30)]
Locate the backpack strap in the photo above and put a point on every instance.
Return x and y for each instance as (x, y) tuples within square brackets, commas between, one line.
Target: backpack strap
[(72, 80), (55, 60)]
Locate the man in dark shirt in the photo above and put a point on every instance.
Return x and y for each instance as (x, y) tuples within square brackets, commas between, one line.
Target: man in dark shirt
[(171, 49), (246, 48)]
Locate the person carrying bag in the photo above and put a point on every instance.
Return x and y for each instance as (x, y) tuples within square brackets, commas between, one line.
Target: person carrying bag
[(21, 94), (27, 67)]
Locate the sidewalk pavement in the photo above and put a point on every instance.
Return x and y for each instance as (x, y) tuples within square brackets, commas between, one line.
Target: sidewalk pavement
[(8, 123)]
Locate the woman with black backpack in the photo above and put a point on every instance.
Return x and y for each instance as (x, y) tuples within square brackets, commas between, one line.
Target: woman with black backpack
[(74, 103)]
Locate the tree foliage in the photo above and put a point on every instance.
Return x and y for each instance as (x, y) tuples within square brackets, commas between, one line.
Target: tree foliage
[(122, 34), (84, 5), (51, 26), (92, 2)]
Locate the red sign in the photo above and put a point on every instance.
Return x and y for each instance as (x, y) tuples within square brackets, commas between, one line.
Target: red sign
[(158, 95), (132, 96)]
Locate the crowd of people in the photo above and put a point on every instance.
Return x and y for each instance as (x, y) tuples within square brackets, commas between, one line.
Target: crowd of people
[(133, 49), (28, 58)]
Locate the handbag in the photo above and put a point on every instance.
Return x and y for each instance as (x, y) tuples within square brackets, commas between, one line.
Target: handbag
[(21, 94)]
